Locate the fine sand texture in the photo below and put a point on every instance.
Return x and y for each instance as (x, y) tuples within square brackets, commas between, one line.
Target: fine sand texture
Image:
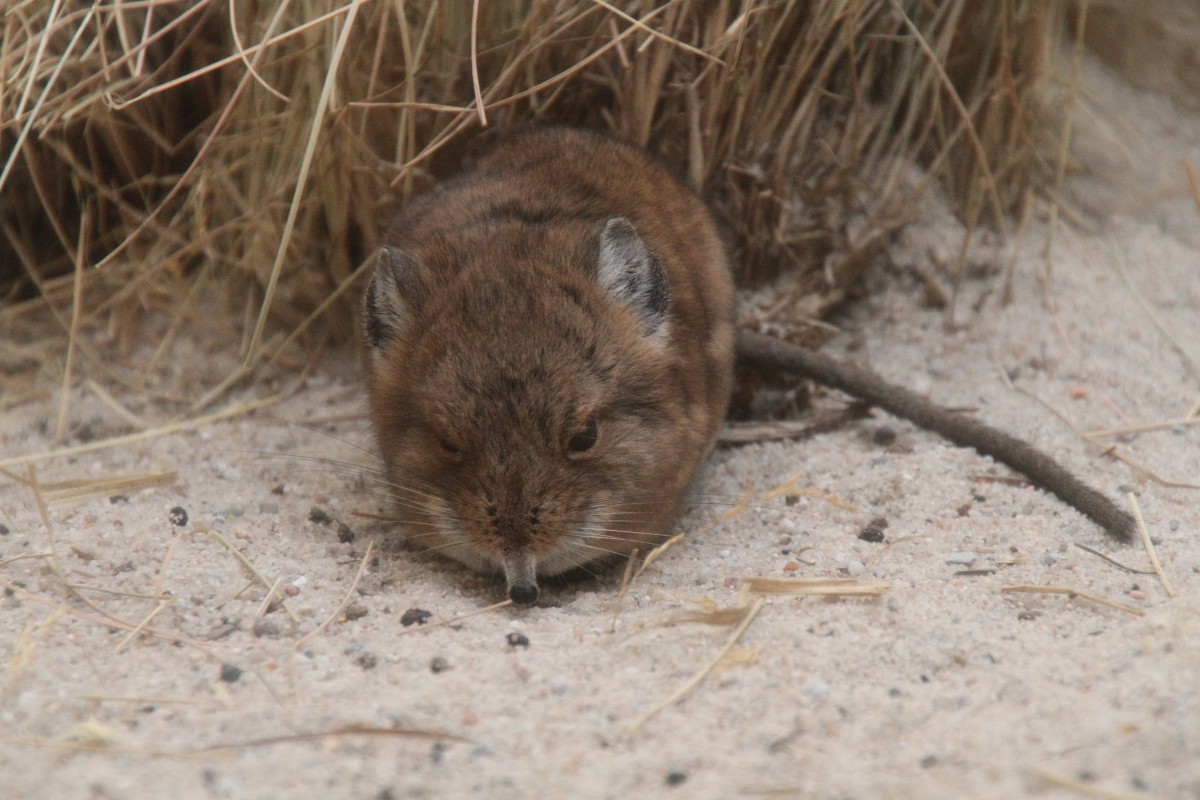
[(929, 625)]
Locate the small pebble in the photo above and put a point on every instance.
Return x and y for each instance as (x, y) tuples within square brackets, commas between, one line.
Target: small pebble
[(962, 559), (366, 661), (355, 611), (516, 640), (317, 514), (4, 529), (118, 498), (266, 627), (223, 630), (854, 568), (83, 553), (1049, 560), (178, 516), (871, 534), (415, 616), (231, 512), (291, 590), (268, 508), (791, 566), (437, 752), (230, 673), (676, 777), (344, 534), (791, 499), (884, 436), (277, 488), (438, 664)]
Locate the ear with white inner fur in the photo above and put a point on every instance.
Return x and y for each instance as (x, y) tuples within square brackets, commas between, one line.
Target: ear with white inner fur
[(396, 289), (633, 275)]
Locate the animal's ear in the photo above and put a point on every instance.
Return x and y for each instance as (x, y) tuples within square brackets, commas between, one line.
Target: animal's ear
[(633, 275), (396, 290)]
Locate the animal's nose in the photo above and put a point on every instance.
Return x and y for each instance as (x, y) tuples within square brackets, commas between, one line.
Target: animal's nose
[(523, 594)]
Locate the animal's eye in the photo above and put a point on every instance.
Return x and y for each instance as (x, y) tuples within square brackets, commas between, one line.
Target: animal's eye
[(585, 438), (449, 449)]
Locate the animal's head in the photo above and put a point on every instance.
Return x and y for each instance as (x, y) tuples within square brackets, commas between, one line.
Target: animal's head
[(521, 394)]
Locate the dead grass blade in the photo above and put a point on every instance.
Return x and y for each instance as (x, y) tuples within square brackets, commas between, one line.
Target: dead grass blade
[(454, 620), (1141, 524), (254, 151), (1103, 601), (816, 587), (748, 615), (258, 576), (362, 567), (1088, 789), (1143, 428), (105, 486), (1189, 358), (163, 430), (366, 731)]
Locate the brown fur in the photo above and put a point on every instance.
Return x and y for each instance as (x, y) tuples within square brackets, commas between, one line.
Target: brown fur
[(497, 347)]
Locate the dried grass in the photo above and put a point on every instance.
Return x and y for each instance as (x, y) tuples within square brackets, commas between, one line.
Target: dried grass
[(178, 172)]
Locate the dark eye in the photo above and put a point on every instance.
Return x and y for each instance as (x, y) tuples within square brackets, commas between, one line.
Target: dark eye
[(585, 438), (449, 449)]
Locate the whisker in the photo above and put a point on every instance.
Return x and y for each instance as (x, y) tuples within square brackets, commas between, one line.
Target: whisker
[(326, 460), (406, 522), (379, 477), (314, 430), (429, 509), (578, 546), (591, 573), (443, 546), (592, 531)]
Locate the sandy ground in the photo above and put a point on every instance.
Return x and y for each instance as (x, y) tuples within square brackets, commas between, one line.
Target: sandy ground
[(944, 686)]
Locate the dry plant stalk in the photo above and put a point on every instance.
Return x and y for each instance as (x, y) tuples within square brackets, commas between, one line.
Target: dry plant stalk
[(1063, 590), (218, 171), (822, 587)]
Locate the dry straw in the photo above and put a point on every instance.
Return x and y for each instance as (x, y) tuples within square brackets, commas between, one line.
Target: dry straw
[(179, 172)]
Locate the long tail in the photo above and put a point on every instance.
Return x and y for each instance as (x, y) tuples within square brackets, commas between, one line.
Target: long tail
[(768, 353)]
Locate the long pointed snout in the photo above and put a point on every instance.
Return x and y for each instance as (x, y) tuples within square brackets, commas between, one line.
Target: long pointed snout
[(520, 570)]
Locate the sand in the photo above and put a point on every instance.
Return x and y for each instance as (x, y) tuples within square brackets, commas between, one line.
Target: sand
[(162, 672)]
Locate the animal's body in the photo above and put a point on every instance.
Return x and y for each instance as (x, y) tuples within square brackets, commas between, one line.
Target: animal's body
[(552, 354), (552, 350)]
